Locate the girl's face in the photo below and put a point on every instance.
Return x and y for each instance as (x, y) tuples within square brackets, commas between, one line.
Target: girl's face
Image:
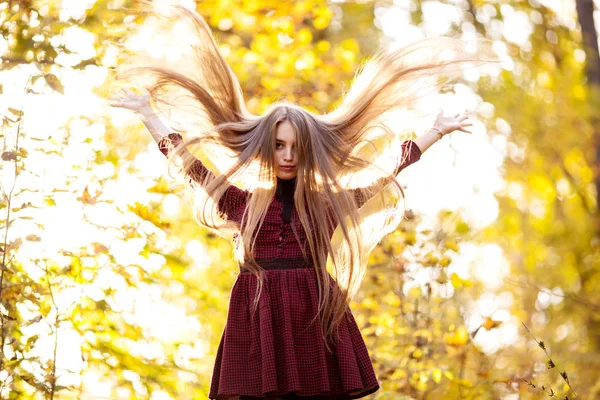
[(286, 153)]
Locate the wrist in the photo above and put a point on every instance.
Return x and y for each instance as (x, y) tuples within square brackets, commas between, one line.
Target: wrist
[(146, 111), (437, 131)]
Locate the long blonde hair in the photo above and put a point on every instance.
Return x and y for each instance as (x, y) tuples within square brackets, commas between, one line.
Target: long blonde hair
[(337, 151)]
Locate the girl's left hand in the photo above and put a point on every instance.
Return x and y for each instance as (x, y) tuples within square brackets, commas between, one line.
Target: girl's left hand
[(128, 99), (450, 124)]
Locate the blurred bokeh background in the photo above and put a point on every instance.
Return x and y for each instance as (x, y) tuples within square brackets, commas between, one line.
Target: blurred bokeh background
[(489, 288)]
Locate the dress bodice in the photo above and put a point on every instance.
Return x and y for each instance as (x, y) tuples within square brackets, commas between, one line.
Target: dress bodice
[(276, 239)]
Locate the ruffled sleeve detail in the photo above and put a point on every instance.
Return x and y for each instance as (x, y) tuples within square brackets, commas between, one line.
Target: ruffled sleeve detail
[(411, 153), (167, 143)]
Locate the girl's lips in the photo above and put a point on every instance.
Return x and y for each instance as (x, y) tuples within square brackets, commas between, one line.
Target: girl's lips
[(287, 168)]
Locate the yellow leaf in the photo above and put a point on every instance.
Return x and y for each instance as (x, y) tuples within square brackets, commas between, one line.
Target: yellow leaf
[(452, 245), (286, 25), (49, 201), (458, 282), (304, 36), (348, 56), (458, 338), (18, 113), (410, 238), (322, 18), (579, 92), (491, 324), (399, 374), (144, 212), (99, 248), (544, 79), (414, 292), (351, 45), (436, 375), (270, 83), (162, 186), (401, 330), (392, 299), (464, 382), (323, 46), (369, 303), (422, 383)]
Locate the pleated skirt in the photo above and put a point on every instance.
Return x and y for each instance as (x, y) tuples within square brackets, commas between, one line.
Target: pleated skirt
[(276, 351)]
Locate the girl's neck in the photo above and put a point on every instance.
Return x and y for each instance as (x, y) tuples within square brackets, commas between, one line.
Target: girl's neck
[(285, 187)]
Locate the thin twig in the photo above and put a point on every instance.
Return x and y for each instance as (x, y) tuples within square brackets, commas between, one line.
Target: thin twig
[(8, 196), (551, 364)]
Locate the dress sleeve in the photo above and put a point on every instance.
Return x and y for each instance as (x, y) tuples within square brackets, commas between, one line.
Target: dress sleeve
[(232, 200), (411, 153)]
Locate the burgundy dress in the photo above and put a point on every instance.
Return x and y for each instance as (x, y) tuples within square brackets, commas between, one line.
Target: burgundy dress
[(276, 351)]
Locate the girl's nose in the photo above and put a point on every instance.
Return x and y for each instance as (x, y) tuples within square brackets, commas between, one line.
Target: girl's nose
[(288, 154)]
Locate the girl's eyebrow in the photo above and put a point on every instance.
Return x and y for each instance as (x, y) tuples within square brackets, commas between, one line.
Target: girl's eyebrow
[(283, 142)]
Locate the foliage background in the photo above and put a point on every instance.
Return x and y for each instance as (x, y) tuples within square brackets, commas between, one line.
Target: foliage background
[(110, 290)]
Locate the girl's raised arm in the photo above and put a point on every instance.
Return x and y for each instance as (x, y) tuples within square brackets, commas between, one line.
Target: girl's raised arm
[(232, 200), (412, 150), (411, 153)]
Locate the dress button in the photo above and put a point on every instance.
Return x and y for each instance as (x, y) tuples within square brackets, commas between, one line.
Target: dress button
[(280, 238)]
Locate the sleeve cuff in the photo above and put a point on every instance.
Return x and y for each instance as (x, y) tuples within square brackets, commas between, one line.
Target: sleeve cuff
[(166, 143), (415, 150)]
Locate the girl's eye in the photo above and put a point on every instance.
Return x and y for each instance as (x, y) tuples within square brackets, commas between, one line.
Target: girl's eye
[(278, 145)]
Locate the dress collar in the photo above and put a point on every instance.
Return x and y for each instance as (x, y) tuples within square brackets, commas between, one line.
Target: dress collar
[(285, 193), (285, 188)]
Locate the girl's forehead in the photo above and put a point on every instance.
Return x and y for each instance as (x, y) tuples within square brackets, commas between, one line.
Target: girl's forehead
[(285, 131)]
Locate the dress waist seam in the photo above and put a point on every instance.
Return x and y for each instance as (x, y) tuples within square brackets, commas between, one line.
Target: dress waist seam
[(279, 264)]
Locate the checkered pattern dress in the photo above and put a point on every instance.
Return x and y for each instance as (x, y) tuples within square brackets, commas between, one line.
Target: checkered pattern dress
[(277, 351)]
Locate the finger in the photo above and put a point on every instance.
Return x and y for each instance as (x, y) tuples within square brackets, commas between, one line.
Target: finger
[(466, 124), (464, 130), (456, 115)]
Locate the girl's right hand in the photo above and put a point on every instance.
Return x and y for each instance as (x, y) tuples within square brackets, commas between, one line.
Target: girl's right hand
[(449, 124), (130, 100)]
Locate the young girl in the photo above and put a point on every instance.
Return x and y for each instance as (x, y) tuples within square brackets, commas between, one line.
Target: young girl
[(290, 332)]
